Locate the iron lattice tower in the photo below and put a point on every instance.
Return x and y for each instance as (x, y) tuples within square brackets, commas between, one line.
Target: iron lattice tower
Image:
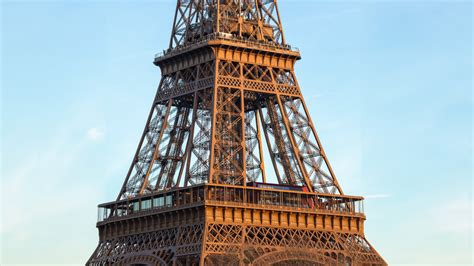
[(197, 192)]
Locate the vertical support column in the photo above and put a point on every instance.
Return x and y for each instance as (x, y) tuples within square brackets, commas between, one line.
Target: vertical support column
[(261, 19), (293, 144), (173, 33), (218, 22), (283, 153), (243, 133), (178, 142), (168, 149), (241, 18), (260, 33), (260, 148), (137, 152), (269, 146), (242, 115), (157, 147), (187, 155), (280, 27), (242, 245), (323, 154), (213, 122), (202, 258)]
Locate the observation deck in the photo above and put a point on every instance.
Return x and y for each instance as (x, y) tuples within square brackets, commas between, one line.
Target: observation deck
[(220, 38), (266, 197)]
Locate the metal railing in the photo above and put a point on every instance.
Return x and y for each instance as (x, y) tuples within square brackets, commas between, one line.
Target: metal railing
[(226, 195), (225, 36), (283, 199), (151, 203)]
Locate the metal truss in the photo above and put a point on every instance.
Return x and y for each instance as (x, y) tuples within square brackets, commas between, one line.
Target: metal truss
[(283, 157), (197, 170), (202, 134), (236, 245), (147, 149), (228, 148), (307, 142), (205, 134), (254, 20), (161, 247), (253, 141), (257, 78), (197, 192), (256, 245)]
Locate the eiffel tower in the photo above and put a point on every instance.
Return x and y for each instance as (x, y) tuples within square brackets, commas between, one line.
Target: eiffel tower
[(198, 191)]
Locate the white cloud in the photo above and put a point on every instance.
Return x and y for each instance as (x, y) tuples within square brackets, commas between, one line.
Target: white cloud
[(454, 216), (40, 185), (378, 196), (95, 134)]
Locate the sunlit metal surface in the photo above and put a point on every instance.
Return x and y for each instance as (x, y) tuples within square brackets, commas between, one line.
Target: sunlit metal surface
[(197, 189)]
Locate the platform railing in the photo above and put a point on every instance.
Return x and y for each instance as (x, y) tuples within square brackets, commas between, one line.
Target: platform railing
[(226, 36), (231, 196), (281, 199)]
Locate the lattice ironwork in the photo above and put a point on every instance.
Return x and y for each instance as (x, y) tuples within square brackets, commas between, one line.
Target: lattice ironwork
[(255, 20), (308, 144), (235, 244), (268, 246), (161, 246), (228, 149), (198, 166), (197, 191), (253, 141)]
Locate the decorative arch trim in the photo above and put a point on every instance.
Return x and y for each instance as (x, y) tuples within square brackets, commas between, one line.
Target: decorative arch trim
[(142, 259), (288, 255)]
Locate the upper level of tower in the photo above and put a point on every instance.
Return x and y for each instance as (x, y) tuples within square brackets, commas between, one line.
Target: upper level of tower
[(249, 24), (253, 20)]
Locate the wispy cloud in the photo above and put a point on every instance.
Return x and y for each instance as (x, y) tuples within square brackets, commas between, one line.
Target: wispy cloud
[(95, 134), (53, 191), (378, 196), (19, 180), (50, 194), (456, 215)]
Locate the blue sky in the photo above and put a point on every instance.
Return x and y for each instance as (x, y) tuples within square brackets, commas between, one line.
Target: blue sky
[(389, 85)]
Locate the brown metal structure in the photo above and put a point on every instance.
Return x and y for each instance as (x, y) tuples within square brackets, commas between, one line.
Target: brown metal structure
[(197, 191)]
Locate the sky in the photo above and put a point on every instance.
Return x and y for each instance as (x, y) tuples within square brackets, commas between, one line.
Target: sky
[(389, 87)]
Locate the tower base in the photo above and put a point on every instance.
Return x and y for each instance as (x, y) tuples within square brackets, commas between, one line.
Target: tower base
[(195, 226), (237, 245)]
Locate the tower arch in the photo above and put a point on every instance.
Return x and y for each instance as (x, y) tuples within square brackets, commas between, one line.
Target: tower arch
[(294, 257)]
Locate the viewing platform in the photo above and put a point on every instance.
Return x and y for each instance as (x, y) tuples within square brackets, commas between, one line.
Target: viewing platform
[(227, 38), (254, 195)]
